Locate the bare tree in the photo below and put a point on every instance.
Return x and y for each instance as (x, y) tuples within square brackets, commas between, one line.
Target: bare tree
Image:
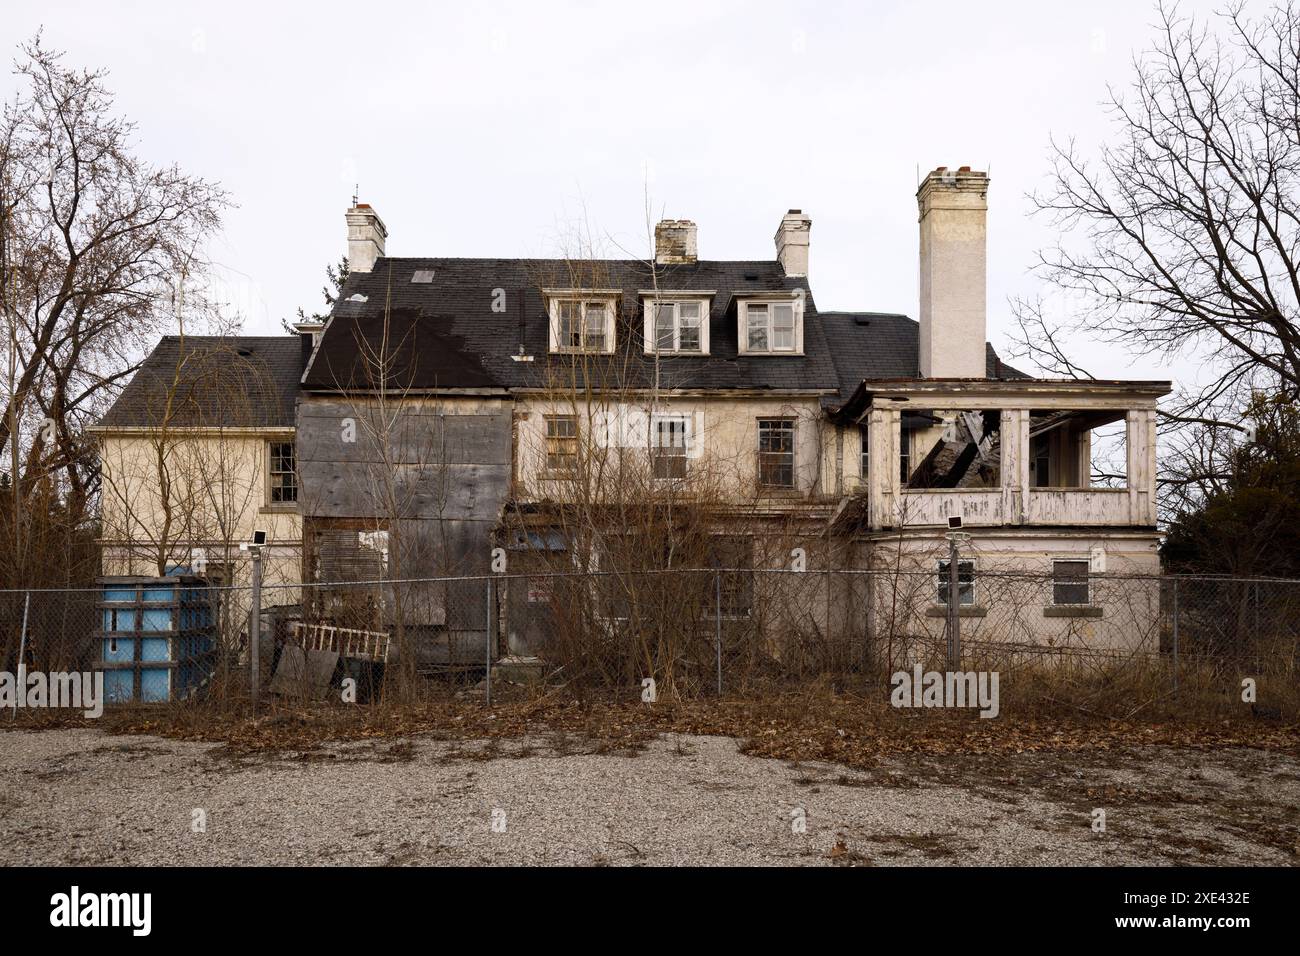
[(1183, 234), (93, 241)]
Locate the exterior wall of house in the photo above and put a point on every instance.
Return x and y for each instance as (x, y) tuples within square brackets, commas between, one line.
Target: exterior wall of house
[(1013, 602), (419, 484), (219, 495), (722, 441)]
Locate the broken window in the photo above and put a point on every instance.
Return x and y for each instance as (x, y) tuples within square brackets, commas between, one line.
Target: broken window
[(965, 582), (1077, 448), (950, 449), (1070, 582), (776, 452), (583, 326), (562, 444), (677, 326)]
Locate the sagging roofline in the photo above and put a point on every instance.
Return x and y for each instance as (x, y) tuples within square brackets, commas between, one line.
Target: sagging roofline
[(907, 389)]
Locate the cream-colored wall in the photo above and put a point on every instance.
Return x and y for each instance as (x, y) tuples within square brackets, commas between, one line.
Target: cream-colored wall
[(722, 437), (1013, 602), (219, 498)]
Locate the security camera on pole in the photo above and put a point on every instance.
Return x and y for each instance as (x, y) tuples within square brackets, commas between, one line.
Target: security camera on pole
[(254, 548), (956, 537)]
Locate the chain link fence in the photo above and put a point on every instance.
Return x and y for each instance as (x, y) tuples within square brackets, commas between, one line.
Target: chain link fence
[(695, 633)]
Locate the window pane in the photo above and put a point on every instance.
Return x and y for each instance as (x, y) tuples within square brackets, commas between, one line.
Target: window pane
[(690, 339), (783, 327), (594, 327), (689, 310), (757, 327), (664, 327)]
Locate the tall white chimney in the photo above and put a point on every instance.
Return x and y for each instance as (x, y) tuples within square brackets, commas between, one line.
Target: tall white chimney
[(366, 235), (792, 242), (954, 213), (675, 242)]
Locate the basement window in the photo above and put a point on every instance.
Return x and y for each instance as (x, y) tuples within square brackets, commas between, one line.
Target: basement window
[(965, 582), (1070, 581)]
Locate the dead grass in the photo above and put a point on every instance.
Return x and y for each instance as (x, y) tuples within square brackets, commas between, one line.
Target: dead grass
[(849, 728)]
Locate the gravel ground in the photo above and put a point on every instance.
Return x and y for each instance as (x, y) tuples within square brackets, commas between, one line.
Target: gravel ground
[(83, 797)]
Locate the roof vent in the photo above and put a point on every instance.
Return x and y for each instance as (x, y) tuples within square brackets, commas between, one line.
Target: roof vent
[(751, 276), (422, 275)]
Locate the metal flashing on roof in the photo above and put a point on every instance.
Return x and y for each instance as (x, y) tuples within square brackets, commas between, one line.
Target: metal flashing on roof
[(422, 275)]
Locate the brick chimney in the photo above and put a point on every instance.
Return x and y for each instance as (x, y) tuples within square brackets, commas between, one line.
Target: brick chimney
[(954, 211), (366, 235), (792, 242), (675, 242)]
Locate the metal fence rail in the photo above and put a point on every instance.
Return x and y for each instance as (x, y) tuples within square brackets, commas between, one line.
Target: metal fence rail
[(695, 632)]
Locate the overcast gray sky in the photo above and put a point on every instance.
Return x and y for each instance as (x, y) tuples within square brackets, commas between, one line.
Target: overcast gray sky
[(493, 129)]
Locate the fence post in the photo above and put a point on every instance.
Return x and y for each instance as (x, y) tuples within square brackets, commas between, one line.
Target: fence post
[(22, 652), (1175, 637), (487, 645), (717, 620), (954, 604), (255, 629)]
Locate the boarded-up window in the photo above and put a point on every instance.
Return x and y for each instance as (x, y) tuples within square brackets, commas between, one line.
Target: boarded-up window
[(1070, 582), (562, 444)]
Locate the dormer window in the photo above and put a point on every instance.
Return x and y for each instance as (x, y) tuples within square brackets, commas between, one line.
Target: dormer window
[(582, 324), (677, 325), (771, 327)]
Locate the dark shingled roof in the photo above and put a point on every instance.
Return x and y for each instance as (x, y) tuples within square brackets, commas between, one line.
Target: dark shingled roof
[(878, 345), (444, 333), (237, 381)]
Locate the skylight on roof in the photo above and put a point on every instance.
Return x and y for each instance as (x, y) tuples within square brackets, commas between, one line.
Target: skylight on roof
[(422, 275)]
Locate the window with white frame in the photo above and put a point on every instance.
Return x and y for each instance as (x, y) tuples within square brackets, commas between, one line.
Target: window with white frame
[(679, 326), (1070, 581), (965, 582), (668, 447), (582, 324), (770, 327)]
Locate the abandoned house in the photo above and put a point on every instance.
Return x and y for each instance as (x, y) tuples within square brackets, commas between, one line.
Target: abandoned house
[(567, 411)]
